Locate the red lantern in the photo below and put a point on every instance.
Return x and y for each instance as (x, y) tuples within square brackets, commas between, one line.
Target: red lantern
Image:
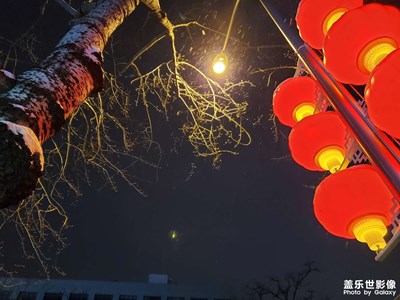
[(360, 40), (318, 142), (294, 99), (382, 95), (355, 203), (315, 17)]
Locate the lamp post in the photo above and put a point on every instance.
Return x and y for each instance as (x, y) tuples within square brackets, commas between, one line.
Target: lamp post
[(379, 149), (220, 62)]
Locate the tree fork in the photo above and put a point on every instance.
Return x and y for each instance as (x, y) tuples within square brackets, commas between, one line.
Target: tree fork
[(154, 6), (35, 106)]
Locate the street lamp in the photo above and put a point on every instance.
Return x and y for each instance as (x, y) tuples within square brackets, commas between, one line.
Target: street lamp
[(220, 62)]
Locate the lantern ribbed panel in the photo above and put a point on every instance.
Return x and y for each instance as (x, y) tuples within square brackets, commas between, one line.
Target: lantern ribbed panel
[(289, 94), (311, 15), (382, 95), (348, 195), (314, 133), (352, 32)]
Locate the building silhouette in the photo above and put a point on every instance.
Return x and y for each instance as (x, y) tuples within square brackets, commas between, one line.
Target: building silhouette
[(158, 287)]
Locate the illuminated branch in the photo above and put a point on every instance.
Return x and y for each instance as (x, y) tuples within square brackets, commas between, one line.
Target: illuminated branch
[(212, 118)]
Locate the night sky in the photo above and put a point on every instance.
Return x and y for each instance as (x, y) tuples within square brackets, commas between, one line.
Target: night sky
[(251, 218)]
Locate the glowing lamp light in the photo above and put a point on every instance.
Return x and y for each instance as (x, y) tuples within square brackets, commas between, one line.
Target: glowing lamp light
[(315, 17), (318, 142), (360, 40), (382, 95), (220, 63), (295, 99), (355, 204)]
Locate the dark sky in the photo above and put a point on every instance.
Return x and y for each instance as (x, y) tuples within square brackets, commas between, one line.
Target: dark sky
[(251, 218)]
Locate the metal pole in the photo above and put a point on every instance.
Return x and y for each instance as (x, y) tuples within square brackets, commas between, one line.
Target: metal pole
[(230, 25), (377, 146)]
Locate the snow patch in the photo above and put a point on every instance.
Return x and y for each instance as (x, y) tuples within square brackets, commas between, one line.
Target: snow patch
[(17, 93), (30, 139), (38, 77), (93, 53), (74, 35), (19, 106), (8, 74)]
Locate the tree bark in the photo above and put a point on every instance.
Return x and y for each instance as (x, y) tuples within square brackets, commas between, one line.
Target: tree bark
[(41, 99)]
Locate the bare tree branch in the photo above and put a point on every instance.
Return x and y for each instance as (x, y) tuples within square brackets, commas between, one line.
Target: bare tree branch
[(68, 8), (290, 287)]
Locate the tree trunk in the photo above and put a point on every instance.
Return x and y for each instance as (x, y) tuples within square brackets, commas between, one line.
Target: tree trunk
[(41, 99)]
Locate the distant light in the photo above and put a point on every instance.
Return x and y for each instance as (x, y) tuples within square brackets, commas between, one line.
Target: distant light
[(220, 63), (173, 235)]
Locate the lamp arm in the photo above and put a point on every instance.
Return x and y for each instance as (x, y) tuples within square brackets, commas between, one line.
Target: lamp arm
[(230, 25)]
